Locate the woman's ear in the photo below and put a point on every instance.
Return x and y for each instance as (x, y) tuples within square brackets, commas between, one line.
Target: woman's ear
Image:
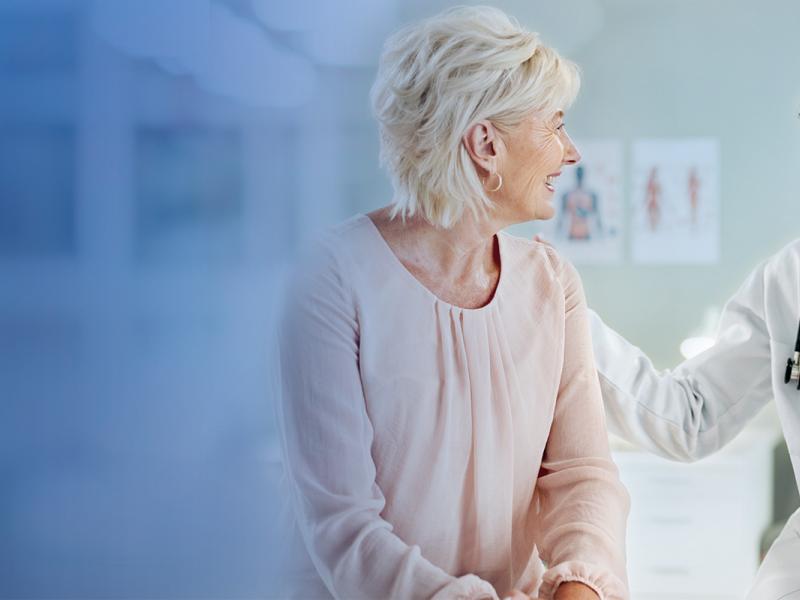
[(482, 143)]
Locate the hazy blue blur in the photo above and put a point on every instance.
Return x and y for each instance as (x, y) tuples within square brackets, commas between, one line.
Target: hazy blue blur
[(145, 212), (160, 161)]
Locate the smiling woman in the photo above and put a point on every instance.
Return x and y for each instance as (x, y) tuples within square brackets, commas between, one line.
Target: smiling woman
[(530, 156), (440, 410), (435, 83)]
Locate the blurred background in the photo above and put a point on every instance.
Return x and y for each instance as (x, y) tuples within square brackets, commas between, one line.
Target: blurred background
[(160, 163)]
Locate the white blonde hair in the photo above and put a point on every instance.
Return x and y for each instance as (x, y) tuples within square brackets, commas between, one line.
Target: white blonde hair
[(440, 76)]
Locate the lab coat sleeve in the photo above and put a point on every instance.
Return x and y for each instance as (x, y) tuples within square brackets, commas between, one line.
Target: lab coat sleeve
[(326, 437), (695, 409), (583, 506)]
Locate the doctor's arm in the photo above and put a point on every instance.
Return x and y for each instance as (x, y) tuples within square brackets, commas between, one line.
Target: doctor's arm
[(698, 407)]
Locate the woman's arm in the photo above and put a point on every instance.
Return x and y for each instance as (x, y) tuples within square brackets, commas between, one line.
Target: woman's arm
[(583, 506), (327, 436), (697, 408)]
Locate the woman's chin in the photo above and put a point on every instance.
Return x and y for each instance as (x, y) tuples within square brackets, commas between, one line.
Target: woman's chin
[(541, 210), (544, 211)]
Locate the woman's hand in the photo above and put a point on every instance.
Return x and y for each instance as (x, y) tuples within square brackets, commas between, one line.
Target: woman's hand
[(574, 590), (569, 590)]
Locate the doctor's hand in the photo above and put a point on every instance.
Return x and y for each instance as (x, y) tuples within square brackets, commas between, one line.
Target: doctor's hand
[(574, 590)]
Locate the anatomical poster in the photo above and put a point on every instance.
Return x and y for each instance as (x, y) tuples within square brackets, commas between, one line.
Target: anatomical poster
[(587, 225), (674, 199)]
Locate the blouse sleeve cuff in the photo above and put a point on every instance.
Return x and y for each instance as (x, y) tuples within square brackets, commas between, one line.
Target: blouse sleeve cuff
[(468, 587), (607, 585)]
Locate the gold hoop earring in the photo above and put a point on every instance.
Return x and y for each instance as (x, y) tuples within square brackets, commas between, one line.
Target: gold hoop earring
[(499, 182)]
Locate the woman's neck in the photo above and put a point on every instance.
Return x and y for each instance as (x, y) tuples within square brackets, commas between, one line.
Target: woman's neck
[(461, 262)]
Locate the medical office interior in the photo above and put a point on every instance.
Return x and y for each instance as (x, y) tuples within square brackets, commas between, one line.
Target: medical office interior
[(161, 163)]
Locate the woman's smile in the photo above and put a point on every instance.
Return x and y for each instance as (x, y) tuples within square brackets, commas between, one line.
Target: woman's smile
[(550, 181)]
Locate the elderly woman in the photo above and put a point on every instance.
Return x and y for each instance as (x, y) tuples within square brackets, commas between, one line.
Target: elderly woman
[(441, 414)]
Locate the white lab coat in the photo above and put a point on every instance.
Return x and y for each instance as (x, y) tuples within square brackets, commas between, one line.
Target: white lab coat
[(695, 409)]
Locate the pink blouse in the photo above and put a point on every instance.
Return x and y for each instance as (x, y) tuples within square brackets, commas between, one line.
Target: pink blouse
[(438, 452)]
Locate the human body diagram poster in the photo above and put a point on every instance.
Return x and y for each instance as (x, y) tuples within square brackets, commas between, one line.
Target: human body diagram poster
[(674, 198), (587, 226)]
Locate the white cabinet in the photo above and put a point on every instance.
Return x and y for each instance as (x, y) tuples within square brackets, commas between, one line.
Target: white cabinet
[(694, 529)]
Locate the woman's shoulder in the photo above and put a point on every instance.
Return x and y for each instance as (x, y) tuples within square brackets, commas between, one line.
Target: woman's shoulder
[(335, 245), (535, 254), (344, 235), (330, 257), (539, 262)]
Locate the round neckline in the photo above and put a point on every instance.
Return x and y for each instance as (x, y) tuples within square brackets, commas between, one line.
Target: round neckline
[(417, 283)]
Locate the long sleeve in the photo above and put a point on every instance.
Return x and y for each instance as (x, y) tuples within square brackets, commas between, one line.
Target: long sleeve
[(327, 436), (583, 505), (697, 408)]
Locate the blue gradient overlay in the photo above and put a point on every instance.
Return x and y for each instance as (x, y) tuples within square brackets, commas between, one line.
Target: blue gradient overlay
[(146, 213), (161, 163)]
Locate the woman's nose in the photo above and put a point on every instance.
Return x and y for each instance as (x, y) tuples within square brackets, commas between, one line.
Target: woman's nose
[(571, 154)]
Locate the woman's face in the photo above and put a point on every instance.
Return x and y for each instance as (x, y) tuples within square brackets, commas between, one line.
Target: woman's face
[(534, 154)]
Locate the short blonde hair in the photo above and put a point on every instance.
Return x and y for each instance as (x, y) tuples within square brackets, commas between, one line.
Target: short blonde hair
[(438, 77)]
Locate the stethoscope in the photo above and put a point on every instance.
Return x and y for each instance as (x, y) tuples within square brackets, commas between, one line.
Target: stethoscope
[(793, 364)]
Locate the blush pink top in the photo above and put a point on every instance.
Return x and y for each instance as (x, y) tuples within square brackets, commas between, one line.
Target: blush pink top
[(432, 449)]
